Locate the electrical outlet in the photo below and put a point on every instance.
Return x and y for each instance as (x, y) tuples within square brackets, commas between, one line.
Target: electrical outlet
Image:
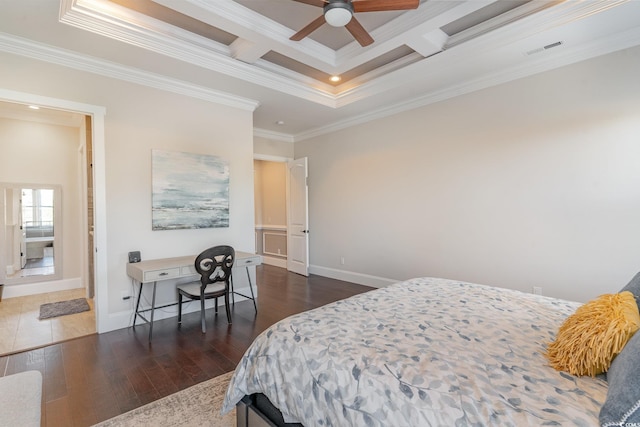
[(341, 260), (125, 295), (537, 290)]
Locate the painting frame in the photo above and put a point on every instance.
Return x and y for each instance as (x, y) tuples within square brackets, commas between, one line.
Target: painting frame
[(189, 191)]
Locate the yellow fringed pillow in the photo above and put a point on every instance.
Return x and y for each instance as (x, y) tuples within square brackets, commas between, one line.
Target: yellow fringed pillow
[(590, 338)]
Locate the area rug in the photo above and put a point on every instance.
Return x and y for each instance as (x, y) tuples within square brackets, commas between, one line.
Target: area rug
[(196, 406), (62, 308)]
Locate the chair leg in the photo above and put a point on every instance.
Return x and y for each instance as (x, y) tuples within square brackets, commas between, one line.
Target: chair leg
[(204, 327), (226, 306), (179, 309), (216, 303), (233, 293)]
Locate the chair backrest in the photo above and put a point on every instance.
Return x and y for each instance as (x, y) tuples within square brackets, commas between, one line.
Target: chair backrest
[(214, 265)]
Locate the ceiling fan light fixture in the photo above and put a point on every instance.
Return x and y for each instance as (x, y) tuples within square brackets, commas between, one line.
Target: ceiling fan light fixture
[(338, 14)]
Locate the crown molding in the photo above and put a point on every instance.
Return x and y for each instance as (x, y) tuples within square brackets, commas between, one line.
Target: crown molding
[(527, 23), (500, 21), (117, 23), (528, 26), (24, 47), (205, 53), (274, 136), (566, 56)]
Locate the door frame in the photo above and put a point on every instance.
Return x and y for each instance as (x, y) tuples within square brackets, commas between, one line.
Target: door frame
[(97, 114)]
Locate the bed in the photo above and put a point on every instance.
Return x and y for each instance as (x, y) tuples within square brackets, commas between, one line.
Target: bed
[(424, 352)]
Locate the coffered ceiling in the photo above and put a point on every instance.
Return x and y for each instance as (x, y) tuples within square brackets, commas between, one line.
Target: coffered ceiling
[(240, 51)]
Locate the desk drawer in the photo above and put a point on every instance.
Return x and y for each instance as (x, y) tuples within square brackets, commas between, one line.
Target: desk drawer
[(165, 273), (188, 270)]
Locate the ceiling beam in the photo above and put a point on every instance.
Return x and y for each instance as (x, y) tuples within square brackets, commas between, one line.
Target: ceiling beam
[(248, 51)]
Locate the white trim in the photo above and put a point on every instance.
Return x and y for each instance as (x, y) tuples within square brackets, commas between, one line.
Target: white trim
[(276, 136), (153, 35), (119, 23), (43, 52), (567, 56), (350, 276), (271, 227), (124, 319), (24, 289), (20, 46), (264, 242), (276, 262), (100, 220), (269, 158)]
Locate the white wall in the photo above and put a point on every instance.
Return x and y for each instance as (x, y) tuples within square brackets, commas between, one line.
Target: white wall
[(532, 183), (168, 122), (270, 190), (138, 120), (40, 153)]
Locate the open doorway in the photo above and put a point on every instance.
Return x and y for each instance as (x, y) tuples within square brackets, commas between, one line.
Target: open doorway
[(281, 212), (270, 190), (45, 254)]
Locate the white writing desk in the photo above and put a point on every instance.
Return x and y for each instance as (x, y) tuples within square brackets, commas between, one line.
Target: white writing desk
[(155, 270)]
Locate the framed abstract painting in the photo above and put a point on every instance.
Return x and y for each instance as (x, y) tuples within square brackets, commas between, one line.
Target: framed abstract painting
[(189, 191)]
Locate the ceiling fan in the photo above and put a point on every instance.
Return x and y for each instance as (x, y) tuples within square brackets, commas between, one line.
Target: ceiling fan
[(339, 13)]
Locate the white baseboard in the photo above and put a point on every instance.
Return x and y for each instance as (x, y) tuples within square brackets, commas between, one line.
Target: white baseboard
[(350, 276), (21, 290), (276, 262), (124, 319)]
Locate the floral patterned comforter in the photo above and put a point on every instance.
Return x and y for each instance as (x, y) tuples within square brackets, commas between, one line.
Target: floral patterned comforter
[(425, 352)]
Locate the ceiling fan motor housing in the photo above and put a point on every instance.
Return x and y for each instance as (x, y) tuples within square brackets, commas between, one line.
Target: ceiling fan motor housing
[(338, 13)]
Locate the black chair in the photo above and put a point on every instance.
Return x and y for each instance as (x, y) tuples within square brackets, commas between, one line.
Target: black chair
[(214, 266)]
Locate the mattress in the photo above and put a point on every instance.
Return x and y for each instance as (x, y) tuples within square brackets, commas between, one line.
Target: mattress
[(424, 352)]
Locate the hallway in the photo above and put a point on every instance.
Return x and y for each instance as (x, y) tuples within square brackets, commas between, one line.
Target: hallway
[(20, 328)]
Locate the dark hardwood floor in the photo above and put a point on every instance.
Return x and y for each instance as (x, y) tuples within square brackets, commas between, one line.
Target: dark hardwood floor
[(91, 379)]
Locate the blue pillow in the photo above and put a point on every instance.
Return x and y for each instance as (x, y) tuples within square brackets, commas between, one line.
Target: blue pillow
[(622, 405), (634, 287)]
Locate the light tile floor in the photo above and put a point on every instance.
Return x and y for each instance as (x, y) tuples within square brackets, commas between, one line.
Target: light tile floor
[(20, 328)]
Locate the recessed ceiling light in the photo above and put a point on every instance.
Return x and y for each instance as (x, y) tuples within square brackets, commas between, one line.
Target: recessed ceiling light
[(335, 79), (34, 107)]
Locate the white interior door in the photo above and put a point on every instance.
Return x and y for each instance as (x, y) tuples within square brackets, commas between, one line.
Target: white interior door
[(298, 218)]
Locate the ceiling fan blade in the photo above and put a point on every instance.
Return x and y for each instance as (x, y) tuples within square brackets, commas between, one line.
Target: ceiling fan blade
[(319, 3), (384, 5), (310, 28), (358, 32)]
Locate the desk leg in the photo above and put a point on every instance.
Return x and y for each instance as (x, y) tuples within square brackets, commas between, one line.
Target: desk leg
[(233, 293), (135, 316), (253, 297), (153, 304)]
